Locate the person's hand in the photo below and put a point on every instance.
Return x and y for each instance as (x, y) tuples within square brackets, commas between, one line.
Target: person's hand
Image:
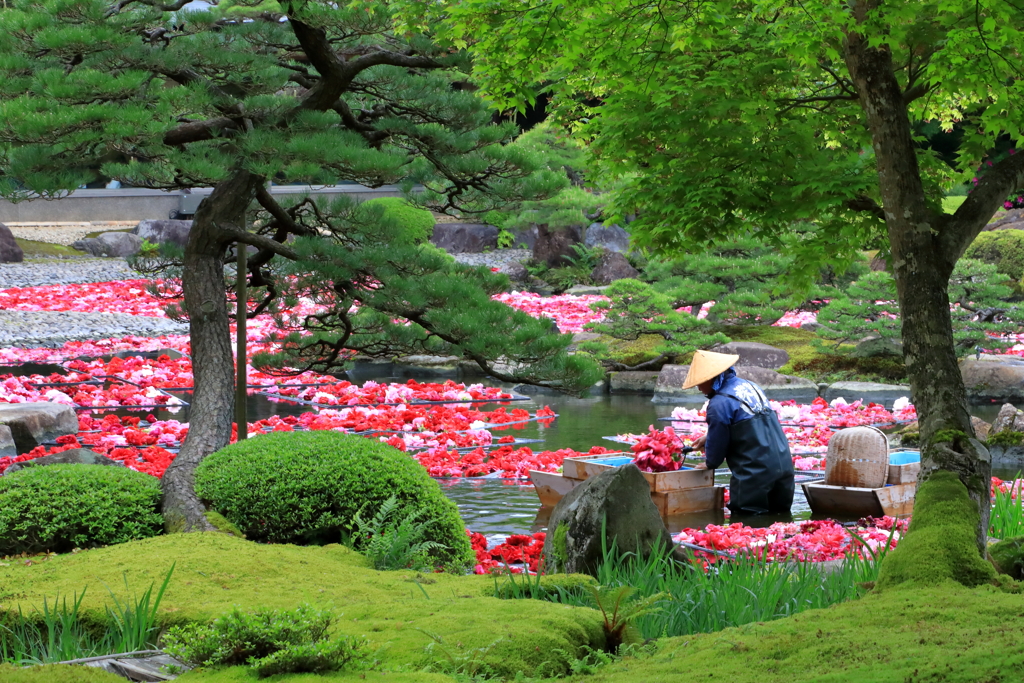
[(701, 466), (698, 445)]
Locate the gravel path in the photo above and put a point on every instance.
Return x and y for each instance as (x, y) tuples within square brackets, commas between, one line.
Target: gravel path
[(64, 233), (501, 258), (31, 329), (64, 272)]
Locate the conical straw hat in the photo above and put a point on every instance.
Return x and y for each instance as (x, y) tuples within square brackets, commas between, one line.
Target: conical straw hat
[(707, 365)]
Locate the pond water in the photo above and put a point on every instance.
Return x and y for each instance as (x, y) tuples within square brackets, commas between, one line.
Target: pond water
[(499, 507)]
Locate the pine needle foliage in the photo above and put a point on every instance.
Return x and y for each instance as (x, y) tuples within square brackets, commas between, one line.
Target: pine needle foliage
[(635, 309), (982, 312), (314, 92)]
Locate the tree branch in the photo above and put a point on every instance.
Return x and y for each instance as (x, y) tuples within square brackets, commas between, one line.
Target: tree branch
[(866, 204), (985, 199), (195, 131)]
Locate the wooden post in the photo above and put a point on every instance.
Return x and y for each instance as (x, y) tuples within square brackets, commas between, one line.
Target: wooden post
[(241, 378)]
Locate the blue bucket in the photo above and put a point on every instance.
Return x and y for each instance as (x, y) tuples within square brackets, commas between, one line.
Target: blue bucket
[(904, 457), (613, 461)]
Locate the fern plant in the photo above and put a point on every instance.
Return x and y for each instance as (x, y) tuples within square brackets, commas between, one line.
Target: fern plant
[(391, 545), (619, 612)]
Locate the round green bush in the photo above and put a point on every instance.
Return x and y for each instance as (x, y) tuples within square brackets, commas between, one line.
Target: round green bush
[(61, 507), (416, 223), (1002, 248), (305, 488)]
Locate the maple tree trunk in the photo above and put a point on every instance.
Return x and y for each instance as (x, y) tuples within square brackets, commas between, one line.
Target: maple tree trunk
[(210, 415), (922, 266)]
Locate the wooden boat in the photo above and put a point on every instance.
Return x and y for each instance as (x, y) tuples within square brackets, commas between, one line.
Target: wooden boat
[(679, 492), (895, 499)]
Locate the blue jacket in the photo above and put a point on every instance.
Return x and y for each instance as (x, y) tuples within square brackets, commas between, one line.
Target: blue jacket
[(725, 411)]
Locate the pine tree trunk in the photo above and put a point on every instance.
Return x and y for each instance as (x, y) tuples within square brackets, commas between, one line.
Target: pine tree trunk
[(210, 415), (922, 267)]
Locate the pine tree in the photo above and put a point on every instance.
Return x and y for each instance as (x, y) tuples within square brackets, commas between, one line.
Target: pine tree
[(982, 314), (301, 91), (635, 309), (743, 279)]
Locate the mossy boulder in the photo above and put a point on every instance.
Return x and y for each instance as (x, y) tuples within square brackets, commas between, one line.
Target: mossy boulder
[(940, 544), (305, 488), (1008, 557), (61, 507), (398, 612)]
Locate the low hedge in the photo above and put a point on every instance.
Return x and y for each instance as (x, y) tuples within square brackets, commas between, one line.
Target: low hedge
[(416, 223), (305, 488), (61, 507), (1002, 248)]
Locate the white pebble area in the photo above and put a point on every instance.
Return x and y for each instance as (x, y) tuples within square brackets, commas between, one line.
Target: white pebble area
[(32, 329)]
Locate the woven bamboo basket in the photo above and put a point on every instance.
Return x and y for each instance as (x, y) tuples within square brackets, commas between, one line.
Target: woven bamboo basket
[(858, 457)]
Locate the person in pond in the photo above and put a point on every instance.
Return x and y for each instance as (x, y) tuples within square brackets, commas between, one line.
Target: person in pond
[(744, 432)]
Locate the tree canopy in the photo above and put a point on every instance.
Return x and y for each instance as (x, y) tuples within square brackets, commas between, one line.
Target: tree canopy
[(728, 118), (243, 94)]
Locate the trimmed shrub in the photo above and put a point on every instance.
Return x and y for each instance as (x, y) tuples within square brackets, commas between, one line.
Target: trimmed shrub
[(306, 488), (1002, 248), (416, 222), (61, 507)]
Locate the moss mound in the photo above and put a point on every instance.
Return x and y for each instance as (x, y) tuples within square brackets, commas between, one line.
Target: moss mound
[(946, 633), (1008, 557), (395, 611), (416, 223), (62, 507), (56, 673), (305, 488), (240, 674), (940, 543), (1002, 248)]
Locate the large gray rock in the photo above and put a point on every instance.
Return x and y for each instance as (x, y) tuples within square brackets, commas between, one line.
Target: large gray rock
[(997, 378), (75, 456), (164, 231), (7, 447), (1011, 220), (464, 238), (1009, 419), (878, 347), (619, 500), (753, 354), (868, 392), (633, 382), (610, 237), (526, 238), (33, 423), (612, 266), (516, 272), (112, 244), (10, 252), (555, 246), (120, 243), (776, 386)]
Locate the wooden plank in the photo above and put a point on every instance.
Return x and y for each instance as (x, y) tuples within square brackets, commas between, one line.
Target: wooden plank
[(842, 500), (580, 467), (584, 467), (903, 474), (689, 500), (551, 486), (898, 500), (663, 482)]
